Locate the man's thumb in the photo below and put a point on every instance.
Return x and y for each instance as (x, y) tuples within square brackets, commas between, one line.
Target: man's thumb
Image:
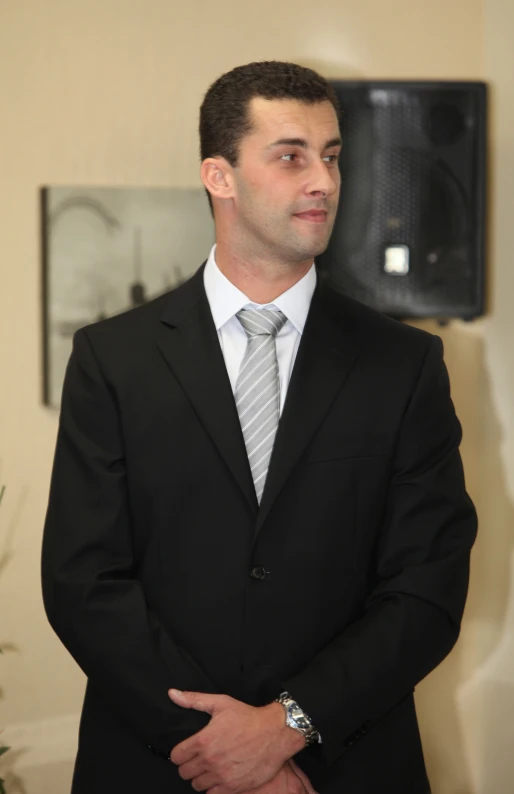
[(179, 696), (191, 700)]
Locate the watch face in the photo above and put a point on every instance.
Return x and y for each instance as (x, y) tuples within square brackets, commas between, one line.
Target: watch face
[(297, 717)]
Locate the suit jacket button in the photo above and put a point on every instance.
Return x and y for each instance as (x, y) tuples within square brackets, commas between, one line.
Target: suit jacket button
[(258, 572)]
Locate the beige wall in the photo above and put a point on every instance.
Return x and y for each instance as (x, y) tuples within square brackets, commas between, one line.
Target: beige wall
[(104, 92)]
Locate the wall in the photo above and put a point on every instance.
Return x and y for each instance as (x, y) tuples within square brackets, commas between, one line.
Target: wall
[(100, 92), (488, 687)]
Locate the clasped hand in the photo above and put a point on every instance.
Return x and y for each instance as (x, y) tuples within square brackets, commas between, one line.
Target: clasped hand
[(242, 749)]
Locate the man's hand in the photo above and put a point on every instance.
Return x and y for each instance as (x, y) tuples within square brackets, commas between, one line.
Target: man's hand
[(289, 780), (241, 748), (302, 776)]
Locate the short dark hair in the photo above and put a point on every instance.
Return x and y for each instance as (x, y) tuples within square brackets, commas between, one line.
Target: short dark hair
[(224, 118)]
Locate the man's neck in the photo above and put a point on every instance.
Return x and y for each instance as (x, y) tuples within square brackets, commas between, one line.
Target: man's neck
[(261, 281)]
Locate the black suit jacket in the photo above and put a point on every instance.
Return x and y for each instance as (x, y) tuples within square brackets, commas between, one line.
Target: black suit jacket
[(362, 540)]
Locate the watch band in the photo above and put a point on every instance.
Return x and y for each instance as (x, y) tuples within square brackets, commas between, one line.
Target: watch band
[(297, 718)]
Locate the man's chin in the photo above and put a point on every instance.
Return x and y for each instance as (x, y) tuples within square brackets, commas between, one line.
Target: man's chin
[(314, 244), (311, 249)]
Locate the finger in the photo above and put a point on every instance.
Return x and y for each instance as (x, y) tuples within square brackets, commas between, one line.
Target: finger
[(303, 777), (206, 782), (301, 783), (306, 783), (192, 769), (192, 700), (185, 751)]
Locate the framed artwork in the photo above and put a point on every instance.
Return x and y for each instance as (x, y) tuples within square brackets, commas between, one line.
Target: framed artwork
[(108, 249)]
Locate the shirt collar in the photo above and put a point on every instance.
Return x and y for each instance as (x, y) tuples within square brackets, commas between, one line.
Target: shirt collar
[(225, 299)]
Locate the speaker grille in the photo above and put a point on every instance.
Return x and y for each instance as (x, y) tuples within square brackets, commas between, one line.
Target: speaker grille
[(412, 175)]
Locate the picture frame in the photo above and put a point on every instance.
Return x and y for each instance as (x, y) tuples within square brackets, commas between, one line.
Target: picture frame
[(106, 250)]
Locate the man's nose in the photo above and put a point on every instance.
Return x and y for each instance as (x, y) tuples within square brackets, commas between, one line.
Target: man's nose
[(323, 179)]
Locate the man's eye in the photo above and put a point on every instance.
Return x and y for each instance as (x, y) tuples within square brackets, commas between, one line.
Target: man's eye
[(288, 155), (332, 158)]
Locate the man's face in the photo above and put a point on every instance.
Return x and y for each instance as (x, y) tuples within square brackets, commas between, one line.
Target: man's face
[(287, 179)]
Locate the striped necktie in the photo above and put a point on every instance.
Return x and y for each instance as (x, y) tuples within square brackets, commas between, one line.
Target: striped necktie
[(257, 391)]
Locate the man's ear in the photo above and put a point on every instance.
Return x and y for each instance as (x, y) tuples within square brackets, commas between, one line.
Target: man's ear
[(216, 175)]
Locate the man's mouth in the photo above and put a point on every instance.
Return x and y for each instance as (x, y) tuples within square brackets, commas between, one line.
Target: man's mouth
[(314, 216)]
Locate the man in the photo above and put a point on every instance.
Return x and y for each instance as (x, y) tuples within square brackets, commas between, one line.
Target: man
[(258, 534)]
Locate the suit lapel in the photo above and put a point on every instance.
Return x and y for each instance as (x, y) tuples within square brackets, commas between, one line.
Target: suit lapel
[(323, 361), (189, 343)]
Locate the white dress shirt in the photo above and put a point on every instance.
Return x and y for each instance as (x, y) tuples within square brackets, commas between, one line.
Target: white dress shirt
[(225, 300)]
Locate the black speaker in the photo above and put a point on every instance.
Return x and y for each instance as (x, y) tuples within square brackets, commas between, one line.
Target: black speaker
[(408, 239)]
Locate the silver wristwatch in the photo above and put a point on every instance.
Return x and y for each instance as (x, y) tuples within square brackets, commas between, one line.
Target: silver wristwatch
[(296, 718)]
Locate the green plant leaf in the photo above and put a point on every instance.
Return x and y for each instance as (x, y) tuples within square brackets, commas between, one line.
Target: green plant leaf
[(4, 750), (2, 788)]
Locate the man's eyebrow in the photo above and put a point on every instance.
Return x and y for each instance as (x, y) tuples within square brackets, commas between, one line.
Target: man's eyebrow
[(303, 143)]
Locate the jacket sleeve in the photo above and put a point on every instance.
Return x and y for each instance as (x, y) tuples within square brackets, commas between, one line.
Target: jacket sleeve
[(92, 597), (412, 616)]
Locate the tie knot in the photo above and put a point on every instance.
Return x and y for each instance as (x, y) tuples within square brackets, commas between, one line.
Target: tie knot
[(261, 322)]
